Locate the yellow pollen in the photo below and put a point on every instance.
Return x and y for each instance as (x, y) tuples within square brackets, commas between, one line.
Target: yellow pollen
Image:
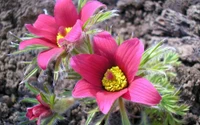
[(114, 79), (62, 35)]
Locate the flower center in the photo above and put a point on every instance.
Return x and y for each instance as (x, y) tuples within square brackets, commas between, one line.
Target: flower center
[(114, 79), (62, 33)]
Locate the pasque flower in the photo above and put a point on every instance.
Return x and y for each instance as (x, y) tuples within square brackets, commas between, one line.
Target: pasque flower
[(110, 73), (58, 32), (39, 111)]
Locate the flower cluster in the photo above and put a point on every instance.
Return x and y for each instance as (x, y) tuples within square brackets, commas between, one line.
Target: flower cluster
[(108, 71)]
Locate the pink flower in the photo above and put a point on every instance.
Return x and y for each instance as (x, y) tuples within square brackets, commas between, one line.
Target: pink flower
[(64, 27), (39, 111), (110, 73)]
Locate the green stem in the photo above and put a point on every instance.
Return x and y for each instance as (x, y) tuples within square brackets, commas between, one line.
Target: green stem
[(124, 117)]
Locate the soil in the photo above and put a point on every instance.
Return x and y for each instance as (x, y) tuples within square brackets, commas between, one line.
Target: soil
[(177, 21)]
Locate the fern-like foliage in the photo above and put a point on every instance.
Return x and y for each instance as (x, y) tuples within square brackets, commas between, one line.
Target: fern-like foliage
[(157, 66), (158, 60)]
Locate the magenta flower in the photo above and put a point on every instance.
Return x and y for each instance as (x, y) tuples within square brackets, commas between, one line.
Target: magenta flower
[(39, 111), (64, 28), (110, 73)]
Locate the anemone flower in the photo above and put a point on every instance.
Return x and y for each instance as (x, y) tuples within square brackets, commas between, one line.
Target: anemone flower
[(110, 73), (64, 27), (39, 111)]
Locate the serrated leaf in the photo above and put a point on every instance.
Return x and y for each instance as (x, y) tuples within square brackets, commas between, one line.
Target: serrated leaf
[(99, 17)]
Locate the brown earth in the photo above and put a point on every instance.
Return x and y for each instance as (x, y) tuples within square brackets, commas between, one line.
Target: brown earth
[(177, 21)]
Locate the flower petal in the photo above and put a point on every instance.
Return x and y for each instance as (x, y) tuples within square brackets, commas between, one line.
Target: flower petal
[(42, 33), (84, 89), (90, 66), (106, 99), (39, 98), (142, 91), (36, 41), (128, 57), (65, 13), (46, 56), (29, 113), (47, 23), (44, 115), (105, 45), (76, 32), (89, 9), (39, 109)]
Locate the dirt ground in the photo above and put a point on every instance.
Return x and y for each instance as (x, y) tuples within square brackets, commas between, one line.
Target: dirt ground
[(177, 21)]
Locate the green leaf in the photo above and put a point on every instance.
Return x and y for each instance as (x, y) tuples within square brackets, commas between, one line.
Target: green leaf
[(158, 60), (52, 100), (91, 115), (67, 93), (29, 100), (99, 17), (44, 98), (32, 88), (124, 117), (81, 3), (144, 119), (30, 74), (27, 122), (30, 48)]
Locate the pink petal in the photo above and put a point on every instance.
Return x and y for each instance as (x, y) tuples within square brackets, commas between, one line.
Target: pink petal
[(39, 109), (89, 9), (90, 66), (84, 89), (76, 32), (105, 45), (36, 41), (46, 56), (128, 57), (142, 91), (65, 13), (106, 99), (43, 115), (29, 113), (46, 23), (39, 98), (42, 33)]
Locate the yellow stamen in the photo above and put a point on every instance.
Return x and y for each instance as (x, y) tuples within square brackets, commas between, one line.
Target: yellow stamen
[(60, 36), (114, 79)]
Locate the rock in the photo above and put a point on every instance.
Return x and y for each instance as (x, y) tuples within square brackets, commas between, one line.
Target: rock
[(187, 47), (173, 24), (194, 12), (176, 5), (4, 110), (149, 6)]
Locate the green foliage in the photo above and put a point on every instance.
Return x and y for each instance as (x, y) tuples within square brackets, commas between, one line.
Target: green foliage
[(90, 115), (158, 60), (29, 48), (32, 88), (156, 65), (99, 17), (81, 3), (52, 119), (29, 100), (169, 108)]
